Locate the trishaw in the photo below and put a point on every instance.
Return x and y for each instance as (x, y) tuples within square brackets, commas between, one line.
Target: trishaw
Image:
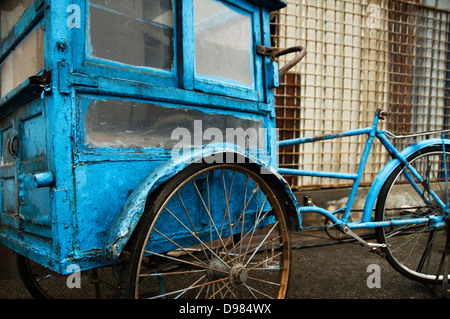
[(139, 153)]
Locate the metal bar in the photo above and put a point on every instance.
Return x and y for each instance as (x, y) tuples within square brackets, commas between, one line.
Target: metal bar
[(301, 172), (395, 153), (312, 139), (391, 135), (444, 161), (437, 222)]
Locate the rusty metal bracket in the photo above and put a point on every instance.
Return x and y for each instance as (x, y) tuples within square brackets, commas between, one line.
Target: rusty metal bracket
[(42, 80), (272, 53), (266, 51)]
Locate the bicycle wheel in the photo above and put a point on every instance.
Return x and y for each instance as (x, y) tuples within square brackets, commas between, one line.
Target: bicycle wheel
[(42, 283), (415, 250), (212, 231)]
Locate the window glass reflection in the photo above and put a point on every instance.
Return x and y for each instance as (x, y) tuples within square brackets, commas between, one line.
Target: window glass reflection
[(134, 32), (223, 41)]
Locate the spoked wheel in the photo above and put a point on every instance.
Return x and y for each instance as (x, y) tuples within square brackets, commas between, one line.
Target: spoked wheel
[(212, 231), (42, 283), (416, 250)]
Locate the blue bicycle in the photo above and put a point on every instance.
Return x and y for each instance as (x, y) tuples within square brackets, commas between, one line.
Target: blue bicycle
[(407, 204)]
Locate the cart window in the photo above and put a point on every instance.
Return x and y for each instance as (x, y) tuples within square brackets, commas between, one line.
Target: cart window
[(223, 41), (10, 12), (26, 60), (134, 32), (127, 124)]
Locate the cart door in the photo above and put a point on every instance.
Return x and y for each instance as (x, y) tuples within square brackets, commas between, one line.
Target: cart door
[(25, 206), (34, 199), (8, 168)]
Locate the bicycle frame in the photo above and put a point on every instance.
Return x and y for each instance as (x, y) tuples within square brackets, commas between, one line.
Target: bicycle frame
[(398, 158)]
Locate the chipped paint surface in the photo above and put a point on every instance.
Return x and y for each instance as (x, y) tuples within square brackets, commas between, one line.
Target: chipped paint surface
[(63, 201), (133, 209)]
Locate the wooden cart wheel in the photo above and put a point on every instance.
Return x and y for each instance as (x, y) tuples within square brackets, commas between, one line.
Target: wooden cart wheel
[(42, 283), (212, 231)]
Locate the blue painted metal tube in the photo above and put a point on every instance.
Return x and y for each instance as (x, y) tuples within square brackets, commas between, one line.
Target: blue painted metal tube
[(311, 139), (436, 222), (444, 160), (44, 179), (413, 171), (362, 165), (321, 211), (302, 172)]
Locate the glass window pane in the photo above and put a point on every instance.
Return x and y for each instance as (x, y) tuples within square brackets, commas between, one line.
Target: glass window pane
[(128, 124), (134, 32), (10, 13), (26, 60), (223, 41)]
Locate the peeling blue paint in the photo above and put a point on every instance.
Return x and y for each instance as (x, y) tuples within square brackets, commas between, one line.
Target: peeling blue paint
[(62, 202), (127, 220)]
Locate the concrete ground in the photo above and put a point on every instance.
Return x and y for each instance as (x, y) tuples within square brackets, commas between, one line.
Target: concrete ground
[(322, 270)]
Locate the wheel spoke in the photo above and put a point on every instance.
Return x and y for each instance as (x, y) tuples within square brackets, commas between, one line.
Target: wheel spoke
[(183, 261), (211, 220), (258, 291), (194, 235), (265, 281), (180, 247), (170, 273), (260, 244), (227, 208), (426, 252)]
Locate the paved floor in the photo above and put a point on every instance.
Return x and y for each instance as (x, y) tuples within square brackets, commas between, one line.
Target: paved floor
[(11, 286), (320, 270), (347, 271)]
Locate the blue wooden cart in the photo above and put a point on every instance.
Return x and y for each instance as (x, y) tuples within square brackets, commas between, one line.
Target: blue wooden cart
[(140, 134), (139, 156)]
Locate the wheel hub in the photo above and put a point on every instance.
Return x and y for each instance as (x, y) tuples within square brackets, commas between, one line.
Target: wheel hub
[(238, 275), (217, 270)]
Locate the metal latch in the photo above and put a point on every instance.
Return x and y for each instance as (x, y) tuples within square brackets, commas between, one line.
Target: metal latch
[(13, 146)]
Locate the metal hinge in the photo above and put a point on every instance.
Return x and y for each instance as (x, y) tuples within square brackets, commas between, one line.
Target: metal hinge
[(272, 78), (266, 51)]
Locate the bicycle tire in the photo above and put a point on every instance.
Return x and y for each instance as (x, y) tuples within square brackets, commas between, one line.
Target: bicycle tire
[(415, 251)]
